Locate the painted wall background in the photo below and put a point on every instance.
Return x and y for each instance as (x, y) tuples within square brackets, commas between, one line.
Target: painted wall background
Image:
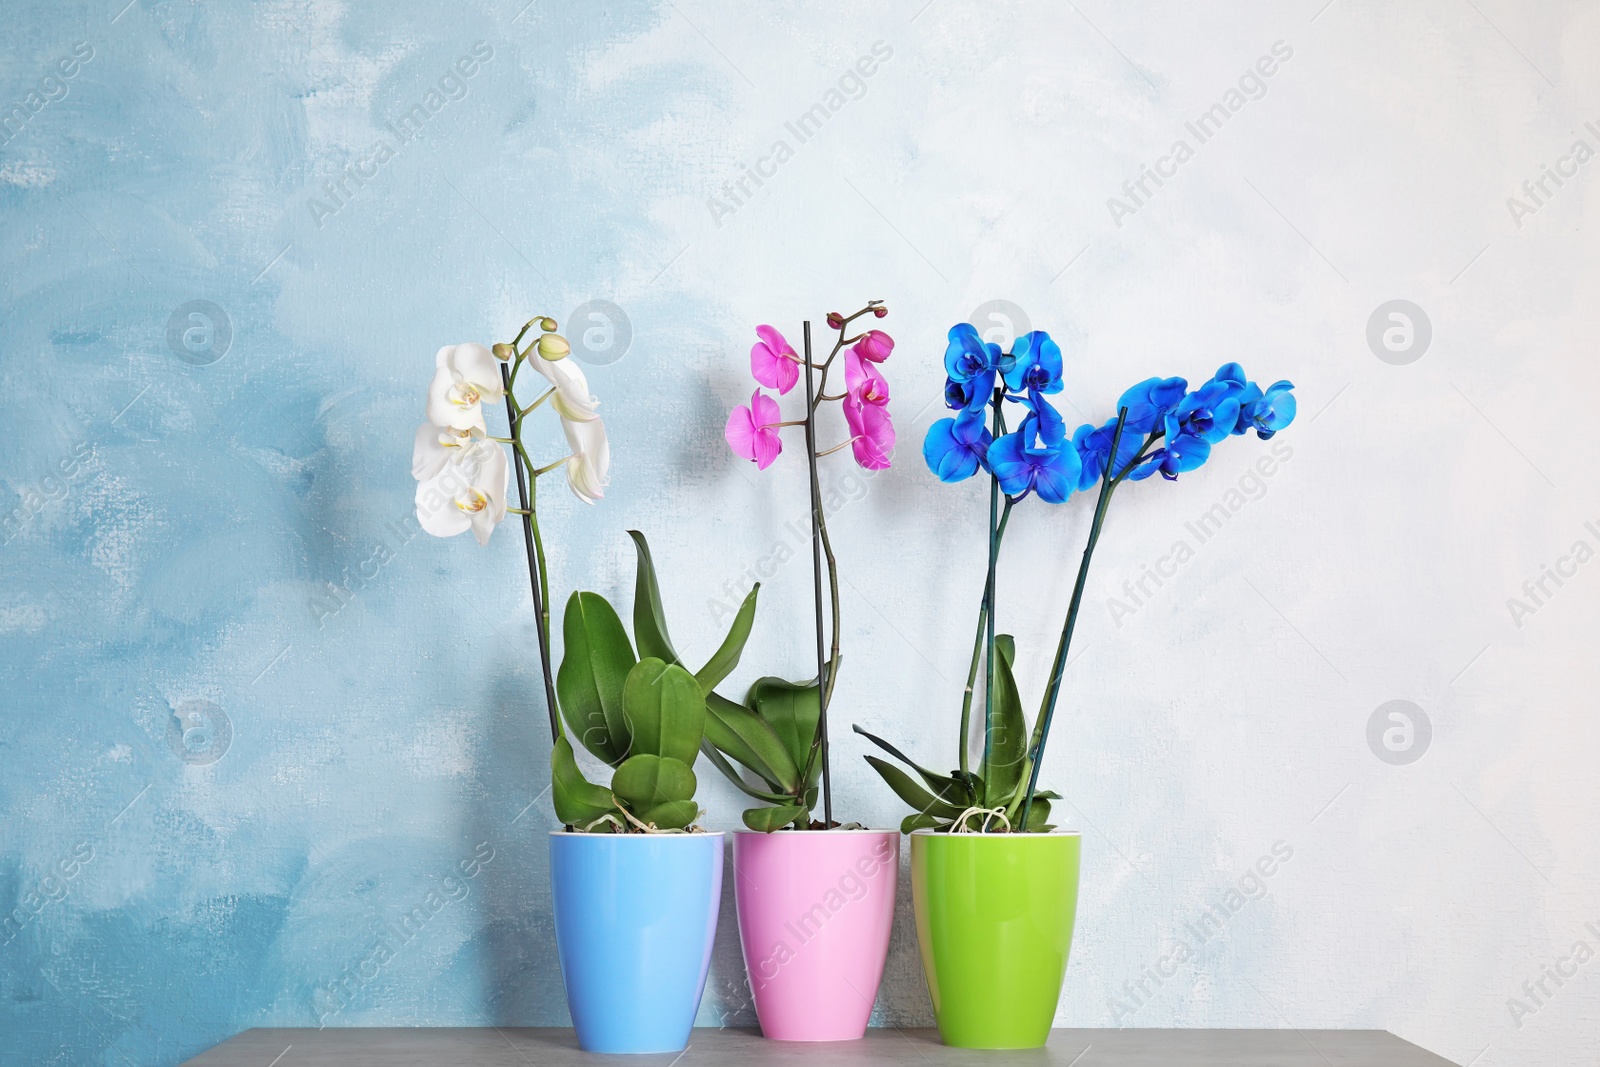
[(251, 721)]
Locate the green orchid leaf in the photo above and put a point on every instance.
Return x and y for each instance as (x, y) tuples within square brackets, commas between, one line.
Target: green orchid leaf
[(673, 815), (767, 820), (946, 787), (1008, 744), (577, 800), (920, 821), (910, 792), (742, 735), (1006, 645), (594, 665), (731, 773), (649, 618), (726, 658), (792, 710), (646, 781), (665, 709), (1038, 815)]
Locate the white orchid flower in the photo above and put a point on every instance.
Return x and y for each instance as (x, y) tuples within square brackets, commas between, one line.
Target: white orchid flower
[(438, 445), (465, 376), (465, 492), (572, 399), (589, 468)]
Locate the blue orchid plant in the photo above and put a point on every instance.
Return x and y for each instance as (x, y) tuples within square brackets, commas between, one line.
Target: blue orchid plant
[(1161, 427)]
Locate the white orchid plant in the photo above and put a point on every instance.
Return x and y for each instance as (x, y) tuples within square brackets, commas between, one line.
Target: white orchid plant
[(641, 713), (463, 472)]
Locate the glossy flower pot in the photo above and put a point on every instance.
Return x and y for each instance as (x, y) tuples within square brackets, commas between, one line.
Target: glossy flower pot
[(815, 911), (994, 921), (635, 917)]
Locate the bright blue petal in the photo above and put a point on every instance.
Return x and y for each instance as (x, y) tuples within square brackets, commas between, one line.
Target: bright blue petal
[(1149, 466), (1035, 364), (1052, 429), (1008, 459), (982, 386), (949, 458), (965, 355)]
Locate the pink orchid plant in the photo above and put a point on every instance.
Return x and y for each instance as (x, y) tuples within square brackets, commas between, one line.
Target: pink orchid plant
[(779, 735)]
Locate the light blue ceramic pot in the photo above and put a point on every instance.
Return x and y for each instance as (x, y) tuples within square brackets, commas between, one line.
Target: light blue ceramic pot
[(635, 917)]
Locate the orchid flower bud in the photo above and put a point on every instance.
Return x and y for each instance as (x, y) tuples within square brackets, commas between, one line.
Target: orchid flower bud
[(553, 346)]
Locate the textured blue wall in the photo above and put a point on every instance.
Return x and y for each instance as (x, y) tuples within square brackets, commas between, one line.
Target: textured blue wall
[(268, 756)]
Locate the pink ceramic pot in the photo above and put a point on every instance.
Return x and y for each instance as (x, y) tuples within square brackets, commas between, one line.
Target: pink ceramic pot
[(815, 910)]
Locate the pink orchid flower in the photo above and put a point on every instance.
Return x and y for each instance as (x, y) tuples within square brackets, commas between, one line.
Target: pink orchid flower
[(773, 361), (871, 432), (875, 345), (864, 383), (752, 432)]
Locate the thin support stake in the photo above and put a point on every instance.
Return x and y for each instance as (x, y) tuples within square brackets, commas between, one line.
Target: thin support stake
[(816, 572)]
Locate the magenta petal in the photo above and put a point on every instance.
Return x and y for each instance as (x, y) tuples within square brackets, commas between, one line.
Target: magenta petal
[(875, 345), (764, 411), (741, 433), (864, 381), (767, 446), (773, 339), (771, 369), (873, 434), (772, 361)]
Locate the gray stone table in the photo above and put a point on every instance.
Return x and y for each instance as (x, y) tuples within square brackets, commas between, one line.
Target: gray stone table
[(511, 1047)]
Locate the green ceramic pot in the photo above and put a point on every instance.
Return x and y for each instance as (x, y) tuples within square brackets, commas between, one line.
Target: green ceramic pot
[(994, 920)]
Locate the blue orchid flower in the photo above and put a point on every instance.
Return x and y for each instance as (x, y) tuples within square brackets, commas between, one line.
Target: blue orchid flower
[(956, 448), (1269, 412), (1049, 425), (1093, 446), (1180, 454), (1024, 463), (972, 364), (1035, 364), (1149, 401), (1211, 412), (1232, 375), (957, 395)]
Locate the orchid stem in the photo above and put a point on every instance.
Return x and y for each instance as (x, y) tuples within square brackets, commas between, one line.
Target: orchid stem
[(978, 642), (548, 467), (989, 596), (1041, 732), (547, 395), (537, 577)]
